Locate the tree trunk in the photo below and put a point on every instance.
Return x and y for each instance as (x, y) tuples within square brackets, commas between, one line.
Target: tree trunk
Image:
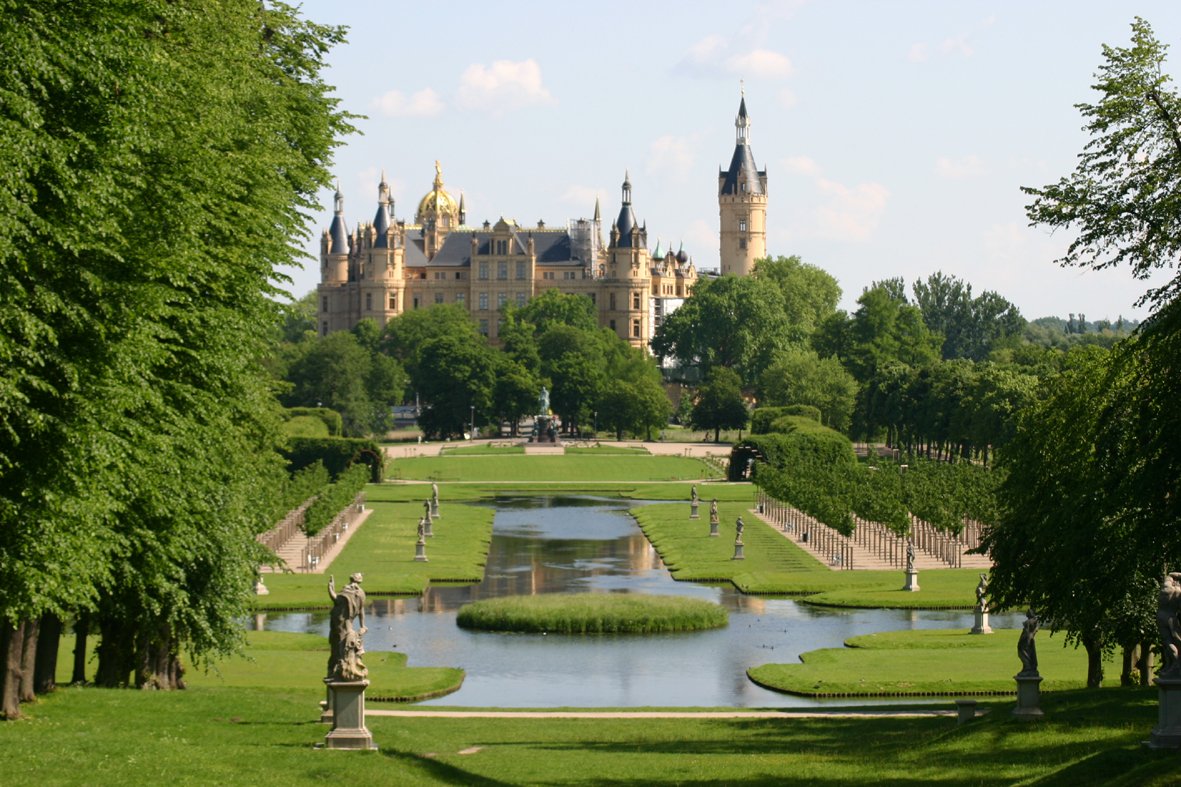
[(1130, 656), (29, 661), (1144, 663), (1094, 662), (157, 663), (45, 671), (11, 642), (116, 655), (81, 630)]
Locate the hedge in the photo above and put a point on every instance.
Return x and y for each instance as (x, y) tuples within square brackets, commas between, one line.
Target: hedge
[(336, 453), (330, 417), (334, 498)]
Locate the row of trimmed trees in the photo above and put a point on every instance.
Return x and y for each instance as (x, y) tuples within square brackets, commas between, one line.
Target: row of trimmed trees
[(159, 159)]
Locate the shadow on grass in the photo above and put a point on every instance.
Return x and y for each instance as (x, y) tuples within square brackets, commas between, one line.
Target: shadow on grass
[(441, 772)]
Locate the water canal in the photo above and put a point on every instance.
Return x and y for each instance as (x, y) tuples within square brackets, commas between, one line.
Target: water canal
[(583, 544)]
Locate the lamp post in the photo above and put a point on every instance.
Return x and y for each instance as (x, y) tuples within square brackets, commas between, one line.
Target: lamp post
[(473, 409)]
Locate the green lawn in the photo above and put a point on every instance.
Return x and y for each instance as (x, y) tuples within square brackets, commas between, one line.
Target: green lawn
[(383, 550), (775, 565), (577, 467), (927, 662), (592, 613), (265, 736)]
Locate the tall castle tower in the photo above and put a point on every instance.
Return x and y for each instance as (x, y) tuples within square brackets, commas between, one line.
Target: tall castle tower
[(742, 203)]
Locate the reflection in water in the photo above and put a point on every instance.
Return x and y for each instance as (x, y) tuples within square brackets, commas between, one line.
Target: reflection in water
[(580, 544)]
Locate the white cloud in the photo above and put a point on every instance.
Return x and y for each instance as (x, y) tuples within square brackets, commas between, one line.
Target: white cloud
[(583, 198), (717, 55), (786, 98), (802, 165), (850, 212), (921, 51), (671, 157), (395, 103), (760, 64), (918, 53), (957, 45), (504, 85), (969, 166)]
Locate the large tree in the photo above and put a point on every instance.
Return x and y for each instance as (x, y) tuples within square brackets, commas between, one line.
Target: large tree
[(137, 292), (719, 403), (1124, 197)]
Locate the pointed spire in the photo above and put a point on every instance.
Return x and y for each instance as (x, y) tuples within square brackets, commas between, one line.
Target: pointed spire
[(462, 210), (598, 215), (338, 234), (627, 188), (742, 122), (656, 255)]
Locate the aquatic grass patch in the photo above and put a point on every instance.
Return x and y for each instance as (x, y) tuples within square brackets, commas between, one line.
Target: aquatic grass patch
[(926, 662), (592, 613)]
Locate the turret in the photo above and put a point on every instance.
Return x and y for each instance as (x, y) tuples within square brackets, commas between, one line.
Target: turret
[(742, 204)]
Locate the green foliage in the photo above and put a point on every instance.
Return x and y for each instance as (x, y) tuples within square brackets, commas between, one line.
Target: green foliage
[(337, 454), (969, 327), (1123, 200), (334, 498), (160, 160), (553, 307), (331, 419), (764, 420), (799, 376), (719, 403), (299, 487), (592, 613)]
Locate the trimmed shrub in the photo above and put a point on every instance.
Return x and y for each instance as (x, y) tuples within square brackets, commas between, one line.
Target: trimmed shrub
[(329, 417), (766, 420), (334, 498), (336, 453)]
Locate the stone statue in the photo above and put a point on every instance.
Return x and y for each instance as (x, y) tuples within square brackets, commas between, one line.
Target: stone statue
[(421, 530), (982, 593), (740, 526), (693, 493), (909, 556), (426, 507), (543, 401), (713, 512), (1168, 620), (435, 492), (345, 643), (1026, 647)]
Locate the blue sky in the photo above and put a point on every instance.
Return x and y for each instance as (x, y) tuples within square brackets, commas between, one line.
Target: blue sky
[(896, 135)]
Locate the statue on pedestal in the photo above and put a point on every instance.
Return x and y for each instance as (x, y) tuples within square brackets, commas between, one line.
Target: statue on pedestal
[(1026, 647), (909, 556), (543, 401), (713, 512), (345, 643), (1169, 624), (982, 594)]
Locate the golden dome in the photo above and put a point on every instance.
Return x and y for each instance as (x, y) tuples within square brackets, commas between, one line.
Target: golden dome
[(437, 201)]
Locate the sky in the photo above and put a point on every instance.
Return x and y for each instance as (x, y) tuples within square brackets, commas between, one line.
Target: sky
[(896, 134)]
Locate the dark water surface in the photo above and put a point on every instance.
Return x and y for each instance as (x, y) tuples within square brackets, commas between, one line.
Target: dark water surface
[(581, 544)]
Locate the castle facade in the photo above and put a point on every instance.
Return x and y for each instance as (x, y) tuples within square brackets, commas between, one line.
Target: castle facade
[(383, 268)]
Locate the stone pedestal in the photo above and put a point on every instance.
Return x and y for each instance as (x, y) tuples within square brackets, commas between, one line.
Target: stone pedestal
[(420, 551), (348, 716), (1029, 696), (912, 580), (1167, 733), (693, 510), (738, 551), (260, 588), (713, 528), (965, 711), (326, 704), (981, 625), (434, 508), (426, 528)]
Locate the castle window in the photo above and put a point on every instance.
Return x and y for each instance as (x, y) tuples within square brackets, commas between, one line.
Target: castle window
[(393, 301), (483, 271), (742, 225), (438, 297), (324, 304), (502, 247), (415, 301), (458, 275), (635, 300), (501, 299), (459, 298), (742, 243), (502, 271), (611, 305), (570, 275), (324, 328), (368, 301), (483, 301), (520, 299), (635, 329), (521, 270), (612, 325), (547, 275), (484, 327)]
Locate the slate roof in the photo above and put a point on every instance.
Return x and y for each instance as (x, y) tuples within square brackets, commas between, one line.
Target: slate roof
[(742, 162), (553, 247)]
